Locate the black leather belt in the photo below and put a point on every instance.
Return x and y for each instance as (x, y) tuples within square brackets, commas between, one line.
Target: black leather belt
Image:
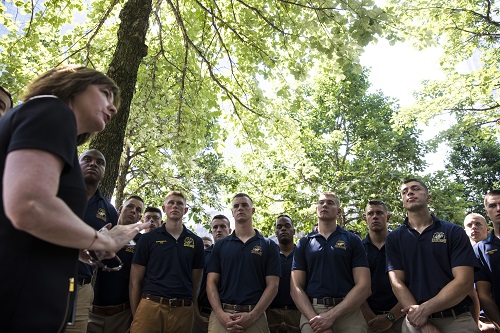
[(171, 302), (326, 301), (284, 307), (109, 310), (238, 308), (205, 310), (84, 281), (451, 312), (378, 313)]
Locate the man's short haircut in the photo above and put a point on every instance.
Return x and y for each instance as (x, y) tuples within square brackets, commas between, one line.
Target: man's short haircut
[(152, 210), (136, 197), (472, 215), (221, 217), (490, 194), (242, 195), (377, 203), (417, 181), (284, 216), (334, 195), (177, 194), (92, 151), (207, 238), (9, 96)]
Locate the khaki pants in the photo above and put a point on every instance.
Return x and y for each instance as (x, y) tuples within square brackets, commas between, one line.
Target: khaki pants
[(349, 323), (259, 326), (152, 317), (84, 299), (461, 324), (117, 323), (196, 329), (283, 320)]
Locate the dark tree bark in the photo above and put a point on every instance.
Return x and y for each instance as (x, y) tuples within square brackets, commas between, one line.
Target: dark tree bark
[(130, 50)]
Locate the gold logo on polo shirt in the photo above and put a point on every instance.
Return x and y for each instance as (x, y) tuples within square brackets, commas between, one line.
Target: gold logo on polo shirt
[(491, 251), (189, 242), (340, 245), (257, 250), (129, 249), (439, 237), (101, 214), (161, 241)]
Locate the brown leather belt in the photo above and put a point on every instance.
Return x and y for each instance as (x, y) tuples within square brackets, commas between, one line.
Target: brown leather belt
[(326, 301), (109, 310), (238, 308), (171, 302)]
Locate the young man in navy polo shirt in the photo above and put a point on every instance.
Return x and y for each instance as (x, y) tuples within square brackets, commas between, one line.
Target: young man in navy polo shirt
[(110, 311), (488, 252), (99, 213), (166, 274), (381, 310), (282, 314), (431, 267), (330, 275), (246, 266), (220, 228)]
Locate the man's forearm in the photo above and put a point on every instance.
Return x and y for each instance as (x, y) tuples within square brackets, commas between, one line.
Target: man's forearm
[(353, 300), (266, 299)]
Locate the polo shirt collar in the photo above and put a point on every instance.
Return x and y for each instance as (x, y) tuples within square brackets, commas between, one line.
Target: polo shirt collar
[(491, 238), (163, 230), (233, 236), (435, 223), (316, 233)]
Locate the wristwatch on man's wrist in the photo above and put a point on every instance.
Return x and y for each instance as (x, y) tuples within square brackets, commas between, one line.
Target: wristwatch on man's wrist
[(390, 317)]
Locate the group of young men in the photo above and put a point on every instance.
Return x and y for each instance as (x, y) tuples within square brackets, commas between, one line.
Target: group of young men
[(417, 278)]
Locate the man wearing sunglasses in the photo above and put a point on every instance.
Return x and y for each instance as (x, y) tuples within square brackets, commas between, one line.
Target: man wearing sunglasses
[(110, 311)]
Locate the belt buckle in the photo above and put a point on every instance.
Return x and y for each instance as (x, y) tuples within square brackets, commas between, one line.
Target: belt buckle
[(327, 301), (171, 302)]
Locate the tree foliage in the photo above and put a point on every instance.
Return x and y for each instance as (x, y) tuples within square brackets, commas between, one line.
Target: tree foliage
[(468, 32)]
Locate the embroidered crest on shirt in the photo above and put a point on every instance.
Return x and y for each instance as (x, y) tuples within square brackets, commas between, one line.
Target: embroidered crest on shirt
[(189, 242), (129, 249), (491, 251), (257, 250), (161, 241), (439, 237), (101, 214), (340, 245)]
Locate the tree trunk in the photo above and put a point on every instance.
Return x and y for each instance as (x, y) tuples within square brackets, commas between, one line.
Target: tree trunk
[(130, 50)]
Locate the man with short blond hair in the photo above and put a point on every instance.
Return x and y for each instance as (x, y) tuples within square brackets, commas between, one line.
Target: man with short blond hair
[(243, 275), (166, 274), (476, 227), (330, 275)]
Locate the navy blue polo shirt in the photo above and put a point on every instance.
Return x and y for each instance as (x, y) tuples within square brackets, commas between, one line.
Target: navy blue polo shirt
[(202, 297), (169, 262), (111, 288), (243, 267), (428, 258), (283, 297), (329, 262), (99, 212), (488, 253), (382, 297)]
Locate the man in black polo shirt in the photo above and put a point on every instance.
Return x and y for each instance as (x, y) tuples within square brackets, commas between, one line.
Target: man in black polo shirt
[(99, 213), (282, 314), (220, 227), (110, 312), (431, 267), (243, 275), (166, 274), (330, 275), (381, 310)]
